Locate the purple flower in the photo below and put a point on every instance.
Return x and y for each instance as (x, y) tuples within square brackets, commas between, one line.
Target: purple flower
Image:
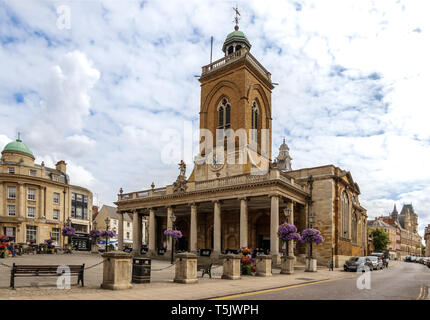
[(288, 232), (173, 233), (68, 231), (109, 234), (312, 235), (95, 234)]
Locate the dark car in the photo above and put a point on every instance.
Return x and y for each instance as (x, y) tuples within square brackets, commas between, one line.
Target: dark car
[(358, 263), (383, 257)]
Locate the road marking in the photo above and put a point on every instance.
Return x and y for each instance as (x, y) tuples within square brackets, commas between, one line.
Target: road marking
[(423, 292), (279, 288)]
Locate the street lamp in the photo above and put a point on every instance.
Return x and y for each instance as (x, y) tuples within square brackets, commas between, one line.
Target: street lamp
[(332, 257), (107, 221), (173, 218), (311, 222)]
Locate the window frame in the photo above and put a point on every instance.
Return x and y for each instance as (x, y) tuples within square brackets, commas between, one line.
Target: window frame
[(34, 213), (33, 198), (11, 170), (8, 210), (54, 198), (8, 192)]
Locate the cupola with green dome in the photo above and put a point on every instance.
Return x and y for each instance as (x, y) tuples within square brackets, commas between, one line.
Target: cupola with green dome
[(19, 147), (235, 41)]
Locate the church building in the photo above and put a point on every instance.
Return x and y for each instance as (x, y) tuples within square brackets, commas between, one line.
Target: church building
[(236, 195)]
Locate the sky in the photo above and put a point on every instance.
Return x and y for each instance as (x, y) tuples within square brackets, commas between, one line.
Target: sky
[(109, 86)]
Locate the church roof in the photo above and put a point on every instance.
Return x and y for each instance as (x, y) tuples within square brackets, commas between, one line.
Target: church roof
[(407, 209), (18, 146)]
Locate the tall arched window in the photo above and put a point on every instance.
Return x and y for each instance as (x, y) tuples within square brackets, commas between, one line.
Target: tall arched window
[(354, 228), (344, 214), (254, 125), (224, 114), (364, 234)]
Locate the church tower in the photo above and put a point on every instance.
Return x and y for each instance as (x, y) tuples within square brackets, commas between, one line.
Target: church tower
[(235, 113), (283, 160)]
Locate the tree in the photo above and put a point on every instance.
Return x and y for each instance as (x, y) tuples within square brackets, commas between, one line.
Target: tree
[(423, 250), (380, 240)]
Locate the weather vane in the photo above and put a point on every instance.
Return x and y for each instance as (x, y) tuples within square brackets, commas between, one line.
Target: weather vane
[(236, 18)]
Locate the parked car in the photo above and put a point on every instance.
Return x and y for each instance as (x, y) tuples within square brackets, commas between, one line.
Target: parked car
[(407, 259), (413, 259), (384, 257), (377, 263), (358, 263)]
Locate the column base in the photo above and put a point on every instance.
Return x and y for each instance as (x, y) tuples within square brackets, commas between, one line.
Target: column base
[(311, 265), (276, 259), (227, 277)]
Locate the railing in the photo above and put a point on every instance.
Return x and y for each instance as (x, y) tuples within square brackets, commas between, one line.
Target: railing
[(233, 57), (215, 183)]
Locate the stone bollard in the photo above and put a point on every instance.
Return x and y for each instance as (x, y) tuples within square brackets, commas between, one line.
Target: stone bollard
[(186, 268), (231, 267), (116, 270), (264, 266), (311, 265), (287, 265)]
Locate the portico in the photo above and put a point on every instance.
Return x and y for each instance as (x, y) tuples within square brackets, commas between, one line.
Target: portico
[(220, 215)]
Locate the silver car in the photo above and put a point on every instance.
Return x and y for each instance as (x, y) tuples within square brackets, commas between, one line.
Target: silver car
[(376, 262)]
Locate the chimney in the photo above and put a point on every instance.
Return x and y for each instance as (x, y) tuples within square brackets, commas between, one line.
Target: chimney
[(61, 166)]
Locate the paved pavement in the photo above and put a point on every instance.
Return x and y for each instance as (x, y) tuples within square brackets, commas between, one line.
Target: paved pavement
[(161, 287), (401, 281)]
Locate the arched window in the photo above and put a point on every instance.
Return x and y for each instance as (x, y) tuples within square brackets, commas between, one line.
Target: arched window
[(254, 124), (230, 50), (344, 214), (224, 114), (354, 228), (364, 233)]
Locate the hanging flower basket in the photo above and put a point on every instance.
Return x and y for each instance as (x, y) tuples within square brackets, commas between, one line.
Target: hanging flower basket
[(4, 238), (109, 234), (312, 235), (68, 231), (176, 234)]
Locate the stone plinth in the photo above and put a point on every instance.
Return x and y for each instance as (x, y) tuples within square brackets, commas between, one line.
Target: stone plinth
[(231, 266), (94, 248), (287, 265), (186, 268), (263, 266), (116, 270), (311, 265)]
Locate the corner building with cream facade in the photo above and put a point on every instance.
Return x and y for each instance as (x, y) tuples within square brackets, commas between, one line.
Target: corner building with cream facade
[(35, 201), (236, 195)]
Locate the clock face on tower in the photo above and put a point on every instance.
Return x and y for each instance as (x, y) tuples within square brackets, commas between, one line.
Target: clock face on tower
[(217, 162)]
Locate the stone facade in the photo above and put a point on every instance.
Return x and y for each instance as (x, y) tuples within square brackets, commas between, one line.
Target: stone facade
[(35, 200), (427, 238), (240, 199)]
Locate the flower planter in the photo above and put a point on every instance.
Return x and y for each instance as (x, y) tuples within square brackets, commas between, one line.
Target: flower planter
[(311, 265), (287, 265)]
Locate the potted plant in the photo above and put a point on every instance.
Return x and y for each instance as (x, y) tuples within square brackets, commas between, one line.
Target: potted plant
[(310, 236), (107, 234), (247, 263), (288, 232), (49, 246)]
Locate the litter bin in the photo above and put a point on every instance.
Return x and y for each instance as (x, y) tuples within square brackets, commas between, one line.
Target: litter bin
[(141, 270)]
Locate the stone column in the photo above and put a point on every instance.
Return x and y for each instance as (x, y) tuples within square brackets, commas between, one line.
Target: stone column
[(217, 229), (120, 231), (193, 228), (42, 202), (152, 242), (244, 222), (169, 227), (139, 230), (137, 243), (21, 212), (274, 225), (116, 270)]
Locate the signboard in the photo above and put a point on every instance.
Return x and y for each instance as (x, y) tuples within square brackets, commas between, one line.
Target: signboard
[(10, 231)]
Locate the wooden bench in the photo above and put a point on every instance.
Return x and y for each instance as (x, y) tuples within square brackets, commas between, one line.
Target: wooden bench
[(205, 267), (44, 271)]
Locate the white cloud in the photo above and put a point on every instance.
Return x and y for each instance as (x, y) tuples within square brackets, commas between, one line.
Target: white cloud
[(352, 86)]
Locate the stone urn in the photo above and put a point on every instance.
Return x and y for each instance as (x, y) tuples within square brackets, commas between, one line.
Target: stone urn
[(311, 264), (287, 265)]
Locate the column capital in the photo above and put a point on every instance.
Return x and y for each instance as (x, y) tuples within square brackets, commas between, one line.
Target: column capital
[(216, 201), (243, 198), (193, 204), (271, 195)]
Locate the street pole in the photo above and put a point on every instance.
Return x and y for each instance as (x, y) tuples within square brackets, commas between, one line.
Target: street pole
[(310, 181), (173, 244)]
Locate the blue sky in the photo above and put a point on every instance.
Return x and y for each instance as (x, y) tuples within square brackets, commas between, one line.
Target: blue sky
[(105, 93)]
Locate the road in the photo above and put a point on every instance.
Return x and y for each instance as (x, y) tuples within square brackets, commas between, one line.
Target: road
[(399, 282)]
